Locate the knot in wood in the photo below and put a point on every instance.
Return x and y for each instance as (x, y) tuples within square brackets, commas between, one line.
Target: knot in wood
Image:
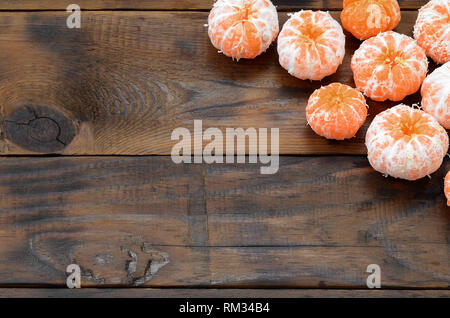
[(44, 129), (39, 128)]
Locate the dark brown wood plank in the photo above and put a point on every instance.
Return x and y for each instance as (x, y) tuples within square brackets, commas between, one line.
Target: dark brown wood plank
[(176, 4), (125, 80), (318, 223), (216, 293)]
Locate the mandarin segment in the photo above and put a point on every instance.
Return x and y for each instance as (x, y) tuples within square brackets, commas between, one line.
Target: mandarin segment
[(336, 111), (243, 28), (389, 66), (406, 143), (311, 45), (432, 30), (436, 94), (367, 18)]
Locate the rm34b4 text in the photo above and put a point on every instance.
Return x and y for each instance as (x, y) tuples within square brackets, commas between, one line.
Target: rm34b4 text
[(246, 307)]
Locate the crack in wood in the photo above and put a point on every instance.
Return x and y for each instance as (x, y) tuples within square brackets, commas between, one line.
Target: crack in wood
[(157, 260)]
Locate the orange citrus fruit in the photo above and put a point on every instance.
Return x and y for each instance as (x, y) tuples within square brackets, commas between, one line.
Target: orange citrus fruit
[(436, 94), (311, 45), (243, 28), (389, 66), (336, 111), (406, 143), (367, 18), (432, 30), (447, 187)]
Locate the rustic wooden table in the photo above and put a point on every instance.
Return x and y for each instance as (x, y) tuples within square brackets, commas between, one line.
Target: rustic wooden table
[(105, 99)]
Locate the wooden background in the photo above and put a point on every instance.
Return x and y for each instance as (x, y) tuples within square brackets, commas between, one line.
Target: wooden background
[(85, 177)]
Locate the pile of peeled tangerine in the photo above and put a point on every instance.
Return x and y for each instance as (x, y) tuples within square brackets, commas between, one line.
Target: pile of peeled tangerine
[(402, 141)]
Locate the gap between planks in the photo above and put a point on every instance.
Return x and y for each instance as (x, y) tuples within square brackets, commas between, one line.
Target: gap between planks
[(218, 293)]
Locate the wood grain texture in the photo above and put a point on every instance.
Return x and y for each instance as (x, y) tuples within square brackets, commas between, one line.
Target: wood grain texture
[(175, 4), (144, 221), (125, 80), (215, 293)]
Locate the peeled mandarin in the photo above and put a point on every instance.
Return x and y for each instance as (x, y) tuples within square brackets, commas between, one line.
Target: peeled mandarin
[(447, 187), (432, 30), (243, 28), (406, 143), (389, 66), (367, 18), (311, 45), (436, 94), (336, 111)]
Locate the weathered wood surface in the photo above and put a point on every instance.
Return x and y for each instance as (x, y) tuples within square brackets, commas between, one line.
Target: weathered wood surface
[(125, 80), (175, 4), (145, 221), (217, 293), (120, 85)]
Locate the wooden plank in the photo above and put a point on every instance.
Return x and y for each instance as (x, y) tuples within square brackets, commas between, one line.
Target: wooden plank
[(125, 80), (146, 221), (216, 293), (176, 4)]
